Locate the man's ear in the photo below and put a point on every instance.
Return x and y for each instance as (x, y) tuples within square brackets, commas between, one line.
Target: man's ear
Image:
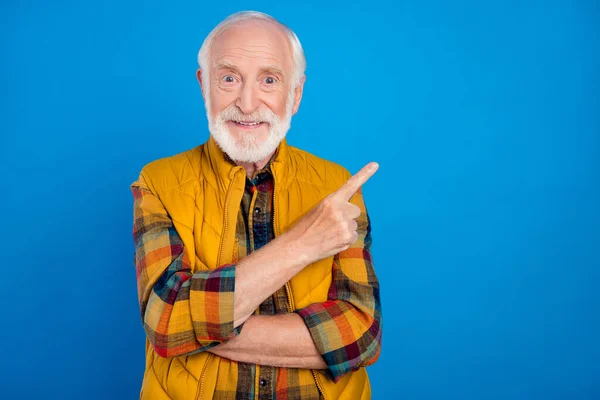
[(298, 95), (199, 77)]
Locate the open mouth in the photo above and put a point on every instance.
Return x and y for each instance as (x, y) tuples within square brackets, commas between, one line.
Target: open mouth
[(248, 124)]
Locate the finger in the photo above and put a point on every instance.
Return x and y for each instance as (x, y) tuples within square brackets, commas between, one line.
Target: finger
[(352, 185), (354, 238), (352, 211)]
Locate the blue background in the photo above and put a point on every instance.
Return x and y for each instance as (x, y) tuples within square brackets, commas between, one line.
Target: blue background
[(485, 210)]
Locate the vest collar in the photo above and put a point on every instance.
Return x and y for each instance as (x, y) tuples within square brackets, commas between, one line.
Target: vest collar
[(224, 170)]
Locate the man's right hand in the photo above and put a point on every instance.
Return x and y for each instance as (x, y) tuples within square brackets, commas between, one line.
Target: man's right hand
[(327, 229), (330, 227)]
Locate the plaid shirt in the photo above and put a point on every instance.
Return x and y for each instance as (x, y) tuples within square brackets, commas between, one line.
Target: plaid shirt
[(254, 230), (175, 333)]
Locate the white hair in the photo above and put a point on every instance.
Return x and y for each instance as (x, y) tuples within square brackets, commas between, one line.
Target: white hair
[(233, 19)]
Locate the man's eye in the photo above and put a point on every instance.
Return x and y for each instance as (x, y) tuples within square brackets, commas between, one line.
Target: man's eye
[(228, 79), (270, 80)]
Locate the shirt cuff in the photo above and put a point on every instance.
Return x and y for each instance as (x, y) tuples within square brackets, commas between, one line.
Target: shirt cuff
[(322, 326), (211, 302)]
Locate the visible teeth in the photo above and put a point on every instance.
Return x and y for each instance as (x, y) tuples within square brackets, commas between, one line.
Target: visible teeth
[(248, 123)]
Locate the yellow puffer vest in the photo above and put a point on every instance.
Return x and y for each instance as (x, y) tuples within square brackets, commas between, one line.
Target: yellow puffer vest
[(202, 192)]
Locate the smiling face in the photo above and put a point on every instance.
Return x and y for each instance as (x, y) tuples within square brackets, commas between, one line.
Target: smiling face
[(250, 96)]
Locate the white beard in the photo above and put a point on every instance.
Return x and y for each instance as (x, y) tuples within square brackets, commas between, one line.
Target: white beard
[(245, 149)]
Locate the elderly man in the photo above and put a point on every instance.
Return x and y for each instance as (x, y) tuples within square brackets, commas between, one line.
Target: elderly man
[(253, 262)]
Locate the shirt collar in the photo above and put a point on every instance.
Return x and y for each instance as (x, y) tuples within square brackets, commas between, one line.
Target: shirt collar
[(283, 168), (266, 169)]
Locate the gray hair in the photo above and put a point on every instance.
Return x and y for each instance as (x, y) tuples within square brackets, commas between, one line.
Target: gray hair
[(297, 51)]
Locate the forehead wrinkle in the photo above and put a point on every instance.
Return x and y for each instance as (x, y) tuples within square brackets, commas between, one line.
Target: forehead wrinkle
[(228, 61), (252, 53)]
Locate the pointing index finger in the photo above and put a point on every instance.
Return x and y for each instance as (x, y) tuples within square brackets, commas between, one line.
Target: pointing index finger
[(352, 185)]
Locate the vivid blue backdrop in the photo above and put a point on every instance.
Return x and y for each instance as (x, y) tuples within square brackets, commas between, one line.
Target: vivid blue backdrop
[(482, 115)]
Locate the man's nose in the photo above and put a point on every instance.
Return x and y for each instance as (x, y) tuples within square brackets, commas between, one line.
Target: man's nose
[(248, 101)]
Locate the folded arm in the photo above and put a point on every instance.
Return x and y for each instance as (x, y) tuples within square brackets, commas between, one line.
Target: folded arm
[(185, 307), (280, 340), (341, 334)]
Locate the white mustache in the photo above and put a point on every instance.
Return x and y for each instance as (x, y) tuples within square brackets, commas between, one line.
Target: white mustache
[(232, 113)]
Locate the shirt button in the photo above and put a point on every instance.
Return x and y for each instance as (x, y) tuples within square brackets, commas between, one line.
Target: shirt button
[(256, 210), (262, 382)]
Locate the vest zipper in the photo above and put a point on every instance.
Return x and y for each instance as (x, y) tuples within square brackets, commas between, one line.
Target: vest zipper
[(202, 376), (288, 292), (226, 224), (288, 286), (318, 382), (221, 253)]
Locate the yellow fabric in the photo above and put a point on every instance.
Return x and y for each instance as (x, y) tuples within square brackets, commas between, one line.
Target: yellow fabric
[(201, 191)]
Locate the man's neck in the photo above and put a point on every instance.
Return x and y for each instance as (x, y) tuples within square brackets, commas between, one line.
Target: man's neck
[(251, 168)]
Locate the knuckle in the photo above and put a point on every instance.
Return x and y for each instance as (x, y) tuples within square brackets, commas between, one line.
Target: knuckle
[(326, 209), (340, 235), (328, 203), (347, 237)]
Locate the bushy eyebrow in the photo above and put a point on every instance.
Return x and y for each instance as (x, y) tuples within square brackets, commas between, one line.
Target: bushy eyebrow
[(273, 69), (225, 65), (269, 69)]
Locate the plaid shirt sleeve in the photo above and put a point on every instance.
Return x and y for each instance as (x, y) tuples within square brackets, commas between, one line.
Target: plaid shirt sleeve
[(184, 309), (347, 327)]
